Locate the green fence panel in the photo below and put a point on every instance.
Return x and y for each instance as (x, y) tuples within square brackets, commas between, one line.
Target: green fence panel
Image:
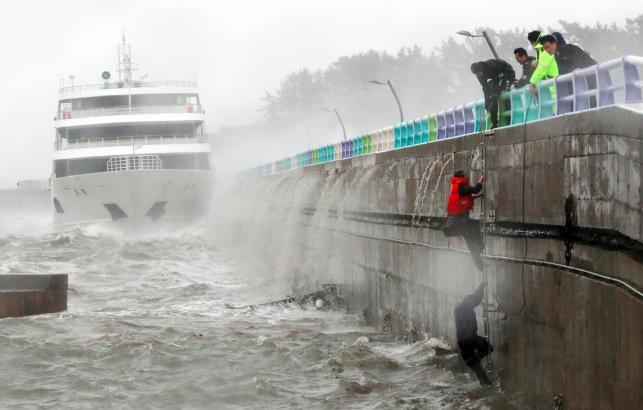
[(424, 130), (504, 110), (433, 127)]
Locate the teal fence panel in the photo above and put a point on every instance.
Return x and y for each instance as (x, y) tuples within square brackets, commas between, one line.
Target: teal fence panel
[(398, 135), (546, 98), (424, 130), (417, 132), (480, 115)]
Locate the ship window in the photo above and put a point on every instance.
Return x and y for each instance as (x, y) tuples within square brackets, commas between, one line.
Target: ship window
[(139, 130), (156, 211), (180, 161), (122, 101), (59, 208), (66, 167), (85, 166), (80, 166), (115, 211), (187, 161), (60, 168)]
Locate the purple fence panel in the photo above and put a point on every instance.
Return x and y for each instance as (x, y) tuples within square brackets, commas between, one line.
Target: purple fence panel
[(450, 122), (458, 116), (619, 81), (632, 67), (469, 118), (442, 125), (585, 92), (565, 93)]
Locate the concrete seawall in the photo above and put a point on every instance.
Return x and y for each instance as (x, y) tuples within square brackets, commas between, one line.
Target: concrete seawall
[(25, 295), (372, 224)]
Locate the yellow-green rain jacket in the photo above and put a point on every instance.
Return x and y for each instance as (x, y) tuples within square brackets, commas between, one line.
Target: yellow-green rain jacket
[(547, 67)]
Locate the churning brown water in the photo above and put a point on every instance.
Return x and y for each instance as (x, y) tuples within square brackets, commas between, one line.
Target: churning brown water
[(149, 326)]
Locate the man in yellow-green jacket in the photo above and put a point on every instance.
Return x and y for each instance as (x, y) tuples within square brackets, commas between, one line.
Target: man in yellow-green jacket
[(546, 68)]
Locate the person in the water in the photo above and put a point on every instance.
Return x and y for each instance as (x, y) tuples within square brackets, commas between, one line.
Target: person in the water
[(473, 348)]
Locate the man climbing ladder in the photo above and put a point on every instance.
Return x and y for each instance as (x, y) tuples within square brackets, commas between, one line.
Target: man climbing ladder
[(473, 347)]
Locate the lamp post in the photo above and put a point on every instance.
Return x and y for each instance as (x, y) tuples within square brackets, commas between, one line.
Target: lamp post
[(486, 37), (397, 100), (338, 119)]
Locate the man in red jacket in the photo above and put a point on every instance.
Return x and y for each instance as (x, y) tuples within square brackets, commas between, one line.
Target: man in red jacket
[(458, 223)]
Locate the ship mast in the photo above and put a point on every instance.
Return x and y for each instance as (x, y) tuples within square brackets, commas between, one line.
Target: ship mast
[(125, 67)]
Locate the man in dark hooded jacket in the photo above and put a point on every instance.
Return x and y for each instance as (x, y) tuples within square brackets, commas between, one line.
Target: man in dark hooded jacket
[(569, 57), (494, 76), (473, 348)]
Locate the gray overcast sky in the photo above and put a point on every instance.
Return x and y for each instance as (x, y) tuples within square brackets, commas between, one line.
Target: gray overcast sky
[(237, 50)]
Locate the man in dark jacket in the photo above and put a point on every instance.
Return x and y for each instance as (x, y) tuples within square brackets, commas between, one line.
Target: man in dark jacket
[(569, 57), (473, 348), (494, 76), (458, 223), (528, 64)]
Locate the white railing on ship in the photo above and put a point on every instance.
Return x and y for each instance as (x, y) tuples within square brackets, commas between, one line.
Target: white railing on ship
[(154, 109), (130, 141), (135, 84)]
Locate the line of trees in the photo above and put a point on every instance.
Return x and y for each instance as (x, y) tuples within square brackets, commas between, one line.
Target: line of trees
[(426, 82)]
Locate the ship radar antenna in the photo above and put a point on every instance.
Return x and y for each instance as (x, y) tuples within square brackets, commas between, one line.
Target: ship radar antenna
[(125, 66)]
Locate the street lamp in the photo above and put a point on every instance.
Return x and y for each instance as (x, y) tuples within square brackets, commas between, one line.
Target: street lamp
[(338, 119), (397, 100), (486, 37)]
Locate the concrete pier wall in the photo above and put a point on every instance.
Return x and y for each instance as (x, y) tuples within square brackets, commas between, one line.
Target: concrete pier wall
[(25, 295), (373, 225)]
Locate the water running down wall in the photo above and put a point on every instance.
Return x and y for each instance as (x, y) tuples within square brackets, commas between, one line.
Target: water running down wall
[(372, 225)]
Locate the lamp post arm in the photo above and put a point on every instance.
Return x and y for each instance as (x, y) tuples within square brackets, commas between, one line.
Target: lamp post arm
[(399, 105), (341, 123), (493, 50)]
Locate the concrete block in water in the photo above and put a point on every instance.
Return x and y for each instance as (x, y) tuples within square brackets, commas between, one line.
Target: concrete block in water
[(27, 294)]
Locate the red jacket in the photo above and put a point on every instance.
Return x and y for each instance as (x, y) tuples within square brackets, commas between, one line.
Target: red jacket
[(459, 205)]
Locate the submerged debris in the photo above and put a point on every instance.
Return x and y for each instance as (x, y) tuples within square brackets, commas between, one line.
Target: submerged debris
[(328, 298)]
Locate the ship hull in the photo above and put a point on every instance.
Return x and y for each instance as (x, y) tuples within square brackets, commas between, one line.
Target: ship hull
[(136, 200)]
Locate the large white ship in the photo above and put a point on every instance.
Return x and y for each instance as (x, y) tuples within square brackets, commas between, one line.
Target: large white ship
[(130, 153)]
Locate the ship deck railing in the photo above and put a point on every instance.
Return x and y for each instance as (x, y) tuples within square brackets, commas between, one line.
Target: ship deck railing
[(134, 141), (122, 84), (152, 109)]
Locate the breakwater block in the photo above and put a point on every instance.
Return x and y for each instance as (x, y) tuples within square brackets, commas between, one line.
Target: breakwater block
[(31, 294)]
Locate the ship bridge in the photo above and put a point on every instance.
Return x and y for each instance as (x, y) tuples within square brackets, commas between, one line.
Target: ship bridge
[(111, 103)]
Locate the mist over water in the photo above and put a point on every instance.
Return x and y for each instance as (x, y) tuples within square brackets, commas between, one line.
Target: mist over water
[(149, 325)]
